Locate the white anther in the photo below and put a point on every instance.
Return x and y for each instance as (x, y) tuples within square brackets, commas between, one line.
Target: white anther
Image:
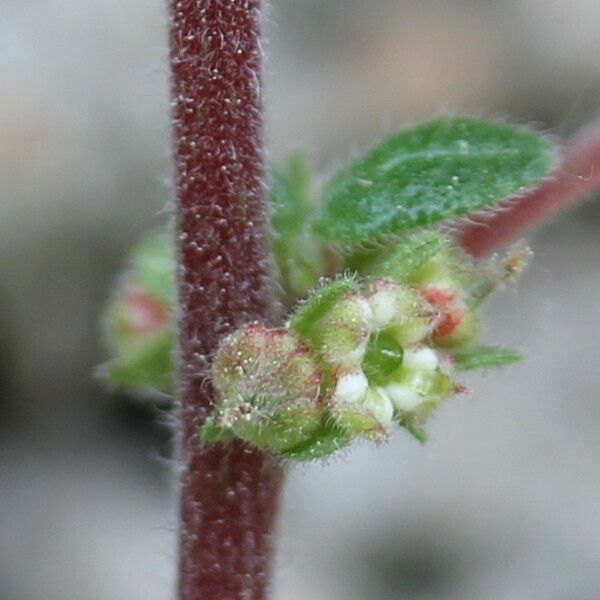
[(351, 387), (421, 359), (364, 308), (383, 307)]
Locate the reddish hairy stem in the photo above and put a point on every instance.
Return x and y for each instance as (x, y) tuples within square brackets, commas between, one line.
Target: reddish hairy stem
[(229, 492), (577, 176)]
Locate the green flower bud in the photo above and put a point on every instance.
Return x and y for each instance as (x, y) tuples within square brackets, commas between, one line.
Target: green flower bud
[(449, 269), (344, 331), (420, 384), (401, 311), (464, 335), (360, 410), (269, 388), (457, 326), (454, 286)]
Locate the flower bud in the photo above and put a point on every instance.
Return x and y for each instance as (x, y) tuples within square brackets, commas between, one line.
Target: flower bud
[(401, 311), (268, 384), (361, 410), (448, 270), (344, 331), (457, 327), (420, 384), (454, 285), (352, 388)]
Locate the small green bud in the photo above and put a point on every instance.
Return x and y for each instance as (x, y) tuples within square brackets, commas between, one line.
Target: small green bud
[(401, 311), (269, 388), (344, 331)]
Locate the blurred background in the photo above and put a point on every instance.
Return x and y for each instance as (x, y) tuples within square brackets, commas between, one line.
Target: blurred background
[(502, 504)]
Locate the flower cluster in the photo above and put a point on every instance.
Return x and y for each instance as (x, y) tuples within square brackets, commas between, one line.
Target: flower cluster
[(358, 356), (392, 315), (380, 345), (138, 323)]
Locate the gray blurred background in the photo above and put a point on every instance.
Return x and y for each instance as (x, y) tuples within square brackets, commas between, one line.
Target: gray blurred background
[(502, 504)]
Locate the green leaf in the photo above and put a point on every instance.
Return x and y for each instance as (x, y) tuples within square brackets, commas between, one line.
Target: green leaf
[(441, 169), (298, 254), (484, 357), (417, 432), (326, 441), (410, 254), (318, 304), (290, 196), (209, 432)]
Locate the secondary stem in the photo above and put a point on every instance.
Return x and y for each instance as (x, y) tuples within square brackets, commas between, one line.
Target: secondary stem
[(577, 176), (229, 493)]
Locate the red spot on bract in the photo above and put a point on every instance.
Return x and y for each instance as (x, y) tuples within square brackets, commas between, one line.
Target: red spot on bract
[(452, 313), (438, 296), (449, 323), (145, 314)]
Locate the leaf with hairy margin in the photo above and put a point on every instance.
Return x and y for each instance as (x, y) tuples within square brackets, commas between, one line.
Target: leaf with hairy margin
[(484, 357), (441, 169)]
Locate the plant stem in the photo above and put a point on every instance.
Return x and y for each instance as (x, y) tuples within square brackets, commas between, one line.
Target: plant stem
[(229, 492), (578, 175)]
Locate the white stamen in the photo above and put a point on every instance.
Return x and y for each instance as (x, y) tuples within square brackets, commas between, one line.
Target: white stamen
[(352, 387), (383, 307), (421, 359), (403, 397), (365, 309)]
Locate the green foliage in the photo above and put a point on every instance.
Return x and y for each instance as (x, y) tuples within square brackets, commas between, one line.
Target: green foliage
[(424, 175), (209, 432), (319, 303), (299, 258), (378, 342), (409, 254), (290, 190), (328, 440), (484, 358)]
